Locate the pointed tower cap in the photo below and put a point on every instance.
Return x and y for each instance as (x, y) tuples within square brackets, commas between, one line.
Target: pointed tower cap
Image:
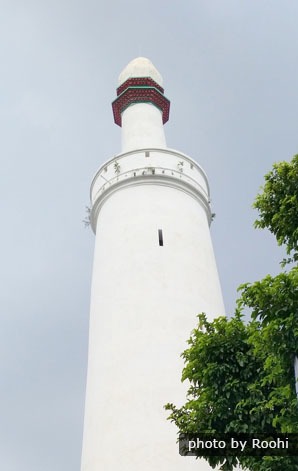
[(140, 67)]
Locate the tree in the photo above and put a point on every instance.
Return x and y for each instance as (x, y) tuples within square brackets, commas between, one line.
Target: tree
[(241, 375), (278, 205)]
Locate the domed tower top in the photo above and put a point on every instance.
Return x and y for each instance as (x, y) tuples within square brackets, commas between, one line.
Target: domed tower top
[(140, 67), (141, 107)]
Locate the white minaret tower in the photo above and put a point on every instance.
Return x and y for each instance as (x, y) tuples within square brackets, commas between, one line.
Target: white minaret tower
[(154, 271)]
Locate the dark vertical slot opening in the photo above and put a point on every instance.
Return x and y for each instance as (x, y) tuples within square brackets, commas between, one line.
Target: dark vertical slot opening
[(160, 237)]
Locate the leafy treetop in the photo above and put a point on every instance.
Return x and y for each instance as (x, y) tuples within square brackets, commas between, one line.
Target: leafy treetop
[(278, 205)]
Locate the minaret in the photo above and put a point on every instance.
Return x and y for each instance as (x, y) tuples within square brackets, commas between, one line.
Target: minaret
[(154, 271)]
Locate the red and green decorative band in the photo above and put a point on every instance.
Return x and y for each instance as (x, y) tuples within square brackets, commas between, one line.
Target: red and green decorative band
[(139, 82), (140, 90)]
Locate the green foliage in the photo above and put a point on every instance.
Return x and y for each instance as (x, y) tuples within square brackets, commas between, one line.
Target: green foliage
[(278, 205), (274, 301), (241, 381), (241, 376)]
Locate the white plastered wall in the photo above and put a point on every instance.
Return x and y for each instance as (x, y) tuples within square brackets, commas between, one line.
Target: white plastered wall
[(144, 303)]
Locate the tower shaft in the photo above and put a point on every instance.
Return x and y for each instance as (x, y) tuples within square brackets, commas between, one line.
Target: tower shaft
[(142, 127), (154, 271)]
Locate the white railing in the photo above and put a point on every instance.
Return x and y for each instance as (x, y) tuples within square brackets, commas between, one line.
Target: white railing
[(143, 172)]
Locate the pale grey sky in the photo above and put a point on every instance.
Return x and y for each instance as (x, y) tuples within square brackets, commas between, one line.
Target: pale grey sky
[(230, 69)]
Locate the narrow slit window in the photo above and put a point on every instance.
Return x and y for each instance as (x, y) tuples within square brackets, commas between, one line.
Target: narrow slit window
[(160, 237)]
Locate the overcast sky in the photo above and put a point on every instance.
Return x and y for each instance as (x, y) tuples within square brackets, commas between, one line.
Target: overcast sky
[(230, 69)]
